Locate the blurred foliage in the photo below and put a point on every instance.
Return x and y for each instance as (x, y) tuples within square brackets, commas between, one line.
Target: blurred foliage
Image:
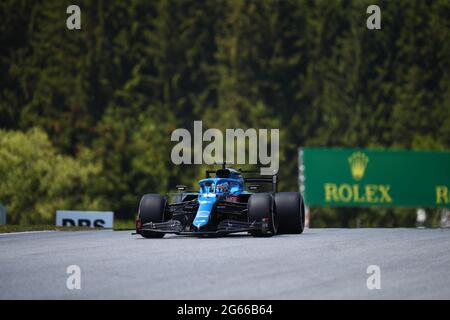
[(36, 180), (109, 95), (372, 217)]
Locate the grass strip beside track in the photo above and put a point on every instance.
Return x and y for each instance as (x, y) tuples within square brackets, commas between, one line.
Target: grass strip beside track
[(8, 228)]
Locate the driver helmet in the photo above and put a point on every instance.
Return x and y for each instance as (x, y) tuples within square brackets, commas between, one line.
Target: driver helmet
[(222, 187)]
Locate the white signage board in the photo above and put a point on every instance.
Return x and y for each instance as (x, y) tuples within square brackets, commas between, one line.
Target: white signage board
[(69, 218)]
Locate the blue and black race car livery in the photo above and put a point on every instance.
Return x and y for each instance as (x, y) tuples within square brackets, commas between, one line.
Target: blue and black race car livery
[(226, 202)]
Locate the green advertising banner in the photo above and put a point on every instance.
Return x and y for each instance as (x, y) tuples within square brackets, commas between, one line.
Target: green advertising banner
[(365, 177)]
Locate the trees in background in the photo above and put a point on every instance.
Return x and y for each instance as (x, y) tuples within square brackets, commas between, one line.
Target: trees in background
[(111, 93), (36, 180)]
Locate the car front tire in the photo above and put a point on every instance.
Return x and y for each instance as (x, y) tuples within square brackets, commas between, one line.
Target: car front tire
[(261, 206), (151, 209)]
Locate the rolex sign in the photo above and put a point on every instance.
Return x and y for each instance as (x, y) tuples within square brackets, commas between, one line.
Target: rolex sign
[(365, 177)]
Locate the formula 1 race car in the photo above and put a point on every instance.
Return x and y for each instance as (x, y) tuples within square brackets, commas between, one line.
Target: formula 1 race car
[(227, 202)]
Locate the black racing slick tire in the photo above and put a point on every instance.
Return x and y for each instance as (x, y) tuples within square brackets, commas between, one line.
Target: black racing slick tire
[(261, 209), (290, 211), (151, 209)]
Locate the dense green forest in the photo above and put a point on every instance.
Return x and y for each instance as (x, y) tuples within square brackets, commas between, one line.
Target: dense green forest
[(86, 115)]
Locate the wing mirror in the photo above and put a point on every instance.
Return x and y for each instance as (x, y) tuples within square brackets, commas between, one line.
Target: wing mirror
[(181, 187)]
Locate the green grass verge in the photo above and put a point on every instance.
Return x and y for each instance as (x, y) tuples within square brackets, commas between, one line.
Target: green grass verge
[(7, 228), (124, 224), (118, 225)]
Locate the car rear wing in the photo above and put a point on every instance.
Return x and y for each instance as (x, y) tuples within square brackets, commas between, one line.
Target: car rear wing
[(273, 179), (252, 176)]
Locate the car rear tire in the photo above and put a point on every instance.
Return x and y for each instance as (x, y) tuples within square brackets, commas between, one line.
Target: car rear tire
[(151, 209), (261, 206), (290, 210)]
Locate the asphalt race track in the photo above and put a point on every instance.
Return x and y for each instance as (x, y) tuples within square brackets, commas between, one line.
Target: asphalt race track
[(319, 264)]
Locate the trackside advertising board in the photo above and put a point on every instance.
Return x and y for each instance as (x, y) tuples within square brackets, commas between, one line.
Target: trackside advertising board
[(70, 218), (365, 177)]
